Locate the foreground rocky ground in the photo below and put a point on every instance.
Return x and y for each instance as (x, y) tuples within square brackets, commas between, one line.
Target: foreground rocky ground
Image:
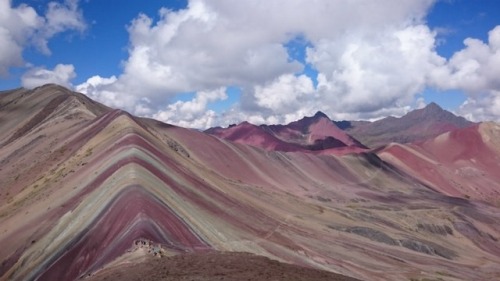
[(213, 266)]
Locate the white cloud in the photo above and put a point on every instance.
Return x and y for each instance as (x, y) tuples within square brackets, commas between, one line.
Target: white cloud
[(376, 69), (21, 26), (17, 25), (285, 92), (102, 90), (286, 99), (475, 70), (62, 74), (212, 44), (59, 18), (194, 113), (481, 108), (196, 49), (373, 59)]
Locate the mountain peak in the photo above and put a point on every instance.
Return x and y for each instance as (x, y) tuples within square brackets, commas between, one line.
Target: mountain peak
[(433, 107), (309, 134), (416, 125), (320, 114)]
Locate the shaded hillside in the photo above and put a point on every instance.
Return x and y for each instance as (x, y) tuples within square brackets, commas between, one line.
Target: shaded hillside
[(87, 191), (417, 125), (310, 134)]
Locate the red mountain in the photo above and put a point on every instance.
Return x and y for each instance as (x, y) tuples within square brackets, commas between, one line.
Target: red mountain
[(310, 134), (455, 161)]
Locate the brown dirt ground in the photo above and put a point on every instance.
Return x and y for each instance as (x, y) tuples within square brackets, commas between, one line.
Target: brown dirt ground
[(211, 266)]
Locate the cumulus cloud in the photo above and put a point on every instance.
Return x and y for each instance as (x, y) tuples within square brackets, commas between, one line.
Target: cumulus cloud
[(59, 17), (285, 92), (481, 108), (62, 74), (21, 26), (193, 114), (369, 56), (17, 25), (372, 59), (287, 98), (475, 70), (196, 49), (368, 71)]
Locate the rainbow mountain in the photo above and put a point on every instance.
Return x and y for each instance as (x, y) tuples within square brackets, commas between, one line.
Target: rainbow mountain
[(86, 190)]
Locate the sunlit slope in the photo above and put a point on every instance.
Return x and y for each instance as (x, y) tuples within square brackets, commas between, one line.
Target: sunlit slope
[(85, 185), (463, 163)]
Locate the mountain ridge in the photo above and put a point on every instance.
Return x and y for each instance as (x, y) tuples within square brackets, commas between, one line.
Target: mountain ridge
[(309, 134), (416, 125), (83, 194)]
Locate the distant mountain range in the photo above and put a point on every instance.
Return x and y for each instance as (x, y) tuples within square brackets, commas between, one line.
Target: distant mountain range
[(319, 133), (89, 192), (310, 134), (417, 125)]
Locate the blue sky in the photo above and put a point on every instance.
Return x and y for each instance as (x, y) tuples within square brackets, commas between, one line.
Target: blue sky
[(206, 63)]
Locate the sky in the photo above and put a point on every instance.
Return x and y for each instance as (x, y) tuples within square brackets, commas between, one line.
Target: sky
[(205, 63)]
